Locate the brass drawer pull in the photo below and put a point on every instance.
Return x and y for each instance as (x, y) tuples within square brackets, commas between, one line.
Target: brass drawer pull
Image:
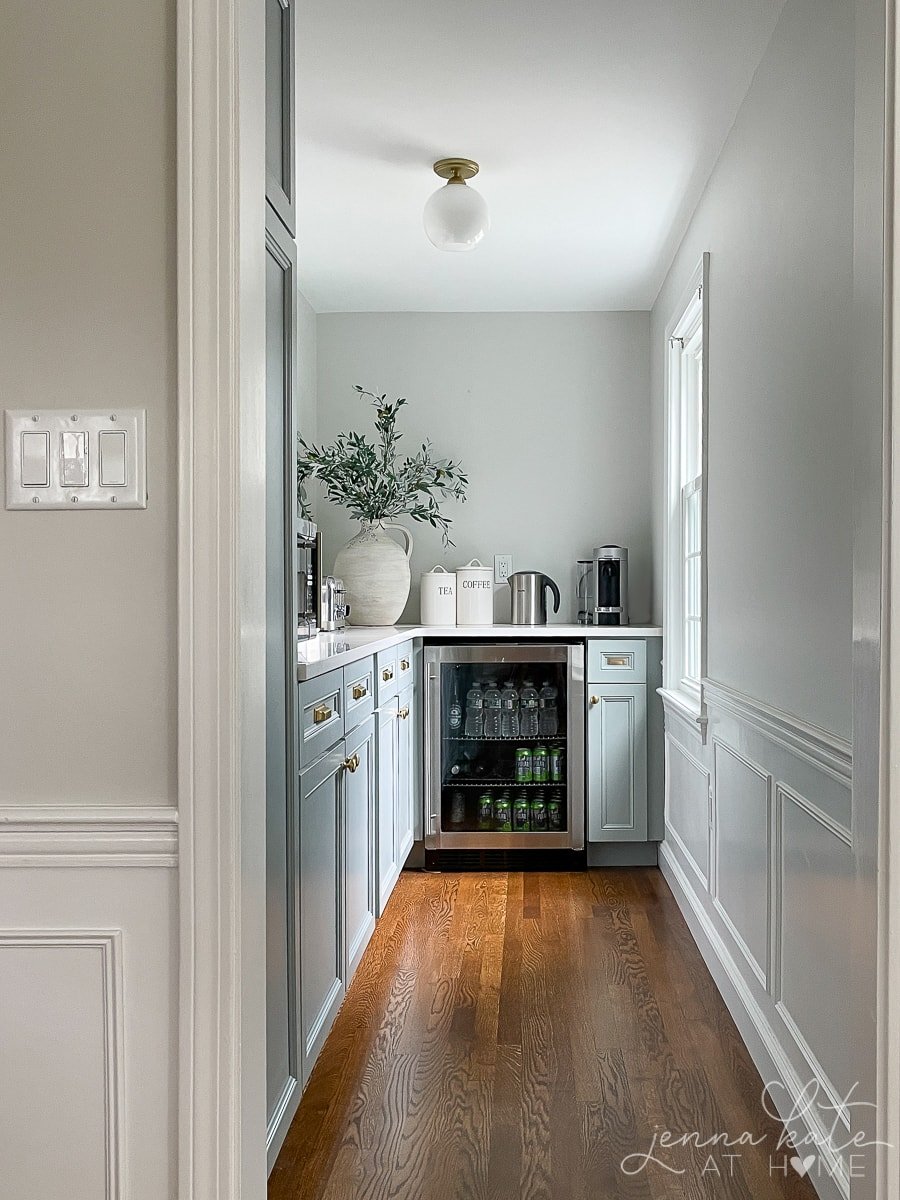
[(617, 660), (350, 764), (404, 664), (387, 674), (595, 700), (322, 713), (359, 690)]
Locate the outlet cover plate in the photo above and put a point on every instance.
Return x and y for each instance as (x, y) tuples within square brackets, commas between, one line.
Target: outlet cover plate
[(502, 567)]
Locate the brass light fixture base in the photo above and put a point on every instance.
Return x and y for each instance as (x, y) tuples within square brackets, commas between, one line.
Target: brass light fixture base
[(456, 170)]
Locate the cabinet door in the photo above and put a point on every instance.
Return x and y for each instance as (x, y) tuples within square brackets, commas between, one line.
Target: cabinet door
[(405, 769), (322, 979), (388, 848), (280, 53), (282, 1050), (617, 762), (359, 842)]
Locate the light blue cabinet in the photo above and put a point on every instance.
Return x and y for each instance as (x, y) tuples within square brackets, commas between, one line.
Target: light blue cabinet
[(320, 877), (617, 762), (388, 853), (360, 901)]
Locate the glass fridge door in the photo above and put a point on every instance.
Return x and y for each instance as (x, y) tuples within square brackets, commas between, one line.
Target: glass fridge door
[(502, 745)]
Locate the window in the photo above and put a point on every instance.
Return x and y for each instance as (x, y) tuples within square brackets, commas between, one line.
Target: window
[(685, 533)]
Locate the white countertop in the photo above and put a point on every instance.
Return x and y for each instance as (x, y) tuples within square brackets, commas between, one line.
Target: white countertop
[(328, 651)]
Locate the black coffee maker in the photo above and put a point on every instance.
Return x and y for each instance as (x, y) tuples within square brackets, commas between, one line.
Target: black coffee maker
[(610, 585)]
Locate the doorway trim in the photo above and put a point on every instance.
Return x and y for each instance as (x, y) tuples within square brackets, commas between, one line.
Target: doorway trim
[(220, 120)]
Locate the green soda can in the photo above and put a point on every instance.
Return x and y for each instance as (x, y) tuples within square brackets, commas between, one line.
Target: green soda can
[(554, 815), (523, 765), (538, 814), (503, 814), (557, 764), (521, 814), (486, 811), (540, 764)]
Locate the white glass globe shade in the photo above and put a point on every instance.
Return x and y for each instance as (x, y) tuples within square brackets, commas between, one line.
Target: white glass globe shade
[(456, 217)]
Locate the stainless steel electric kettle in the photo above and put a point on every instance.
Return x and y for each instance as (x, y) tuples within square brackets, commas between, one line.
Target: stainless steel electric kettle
[(529, 597)]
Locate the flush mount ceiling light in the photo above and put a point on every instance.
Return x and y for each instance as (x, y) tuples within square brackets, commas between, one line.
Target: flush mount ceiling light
[(456, 216)]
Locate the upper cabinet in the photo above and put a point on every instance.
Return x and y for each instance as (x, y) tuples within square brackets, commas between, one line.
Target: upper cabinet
[(280, 59)]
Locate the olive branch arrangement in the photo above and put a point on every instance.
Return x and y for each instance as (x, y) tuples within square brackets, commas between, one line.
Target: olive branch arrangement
[(373, 482)]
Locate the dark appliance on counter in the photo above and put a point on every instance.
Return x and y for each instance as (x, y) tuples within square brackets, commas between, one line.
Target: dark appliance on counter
[(309, 579), (611, 585), (601, 587)]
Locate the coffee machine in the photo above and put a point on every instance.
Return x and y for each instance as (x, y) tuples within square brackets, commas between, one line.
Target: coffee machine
[(309, 579), (602, 587)]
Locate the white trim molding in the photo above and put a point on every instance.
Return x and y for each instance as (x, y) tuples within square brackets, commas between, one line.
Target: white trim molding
[(108, 943), (220, 57), (100, 836), (824, 750)]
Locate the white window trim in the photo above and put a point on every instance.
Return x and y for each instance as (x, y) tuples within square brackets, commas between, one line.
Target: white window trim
[(683, 694)]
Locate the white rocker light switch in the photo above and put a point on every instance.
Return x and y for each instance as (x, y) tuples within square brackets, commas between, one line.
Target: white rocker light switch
[(76, 459)]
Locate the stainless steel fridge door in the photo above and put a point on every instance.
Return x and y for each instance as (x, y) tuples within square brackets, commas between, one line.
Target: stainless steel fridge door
[(516, 655)]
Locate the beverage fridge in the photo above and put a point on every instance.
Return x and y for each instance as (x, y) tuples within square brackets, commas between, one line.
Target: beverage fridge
[(504, 749)]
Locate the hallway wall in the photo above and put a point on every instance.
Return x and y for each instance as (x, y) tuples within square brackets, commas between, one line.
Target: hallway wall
[(88, 647), (758, 845)]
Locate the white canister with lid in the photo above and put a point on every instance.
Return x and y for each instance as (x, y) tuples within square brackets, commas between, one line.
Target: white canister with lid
[(474, 594), (438, 597)]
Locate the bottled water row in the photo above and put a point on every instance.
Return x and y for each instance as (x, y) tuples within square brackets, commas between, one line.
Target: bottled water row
[(510, 713)]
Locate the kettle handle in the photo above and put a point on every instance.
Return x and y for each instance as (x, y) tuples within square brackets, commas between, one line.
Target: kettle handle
[(548, 583)]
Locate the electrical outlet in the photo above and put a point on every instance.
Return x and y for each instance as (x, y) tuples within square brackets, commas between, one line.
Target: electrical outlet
[(502, 567)]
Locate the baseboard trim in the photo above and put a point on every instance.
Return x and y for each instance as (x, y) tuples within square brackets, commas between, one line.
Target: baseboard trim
[(760, 1038), (56, 835)]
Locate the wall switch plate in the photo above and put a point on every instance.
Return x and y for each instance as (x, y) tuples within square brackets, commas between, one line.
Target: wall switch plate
[(76, 458), (502, 567)]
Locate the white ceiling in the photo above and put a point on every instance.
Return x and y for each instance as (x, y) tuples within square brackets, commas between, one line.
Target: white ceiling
[(596, 124)]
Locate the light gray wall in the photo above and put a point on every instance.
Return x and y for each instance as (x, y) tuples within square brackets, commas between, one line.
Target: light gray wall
[(548, 412), (777, 218), (307, 416), (87, 318)]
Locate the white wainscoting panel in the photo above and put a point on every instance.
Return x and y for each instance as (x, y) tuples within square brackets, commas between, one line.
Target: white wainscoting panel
[(88, 1005), (687, 806), (816, 891), (742, 820), (768, 909)]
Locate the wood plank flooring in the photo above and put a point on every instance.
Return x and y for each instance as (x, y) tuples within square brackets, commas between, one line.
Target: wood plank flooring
[(514, 1037)]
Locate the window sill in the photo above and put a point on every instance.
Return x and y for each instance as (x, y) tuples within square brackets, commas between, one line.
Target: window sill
[(686, 706)]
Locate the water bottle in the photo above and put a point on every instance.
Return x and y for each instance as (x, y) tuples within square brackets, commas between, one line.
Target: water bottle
[(528, 710), (474, 714), (509, 711), (548, 720), (492, 710)]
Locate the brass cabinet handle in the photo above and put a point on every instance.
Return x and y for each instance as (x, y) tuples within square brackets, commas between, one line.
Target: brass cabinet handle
[(350, 764), (322, 713), (403, 713), (387, 674), (359, 690), (404, 664), (617, 660), (595, 700)]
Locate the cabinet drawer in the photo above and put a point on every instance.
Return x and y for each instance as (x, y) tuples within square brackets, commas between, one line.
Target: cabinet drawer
[(359, 692), (387, 673), (616, 661), (321, 715)]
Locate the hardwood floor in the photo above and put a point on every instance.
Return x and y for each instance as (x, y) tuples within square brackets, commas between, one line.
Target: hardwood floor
[(514, 1037)]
